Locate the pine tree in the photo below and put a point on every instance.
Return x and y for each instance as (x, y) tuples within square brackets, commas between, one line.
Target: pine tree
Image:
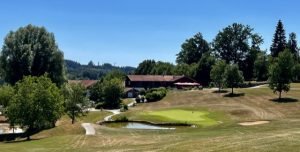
[(279, 40)]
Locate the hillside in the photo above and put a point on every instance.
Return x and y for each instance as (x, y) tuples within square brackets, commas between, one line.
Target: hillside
[(77, 71), (282, 133)]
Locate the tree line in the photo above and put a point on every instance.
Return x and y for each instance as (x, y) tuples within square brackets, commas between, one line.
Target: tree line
[(91, 71), (236, 44)]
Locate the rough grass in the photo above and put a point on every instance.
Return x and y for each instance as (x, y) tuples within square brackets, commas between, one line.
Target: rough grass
[(281, 134)]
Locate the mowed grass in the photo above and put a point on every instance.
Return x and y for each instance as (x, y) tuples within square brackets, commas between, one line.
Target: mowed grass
[(185, 116), (281, 134)]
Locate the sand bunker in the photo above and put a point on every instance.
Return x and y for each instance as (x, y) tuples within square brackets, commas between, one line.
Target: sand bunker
[(253, 123)]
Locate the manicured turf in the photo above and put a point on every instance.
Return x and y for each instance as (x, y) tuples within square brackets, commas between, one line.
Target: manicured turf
[(194, 117), (281, 134)]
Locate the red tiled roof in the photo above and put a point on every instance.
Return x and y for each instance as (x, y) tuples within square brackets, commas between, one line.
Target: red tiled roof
[(85, 83), (156, 78)]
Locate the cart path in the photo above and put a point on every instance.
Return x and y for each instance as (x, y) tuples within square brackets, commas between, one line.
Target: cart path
[(89, 129)]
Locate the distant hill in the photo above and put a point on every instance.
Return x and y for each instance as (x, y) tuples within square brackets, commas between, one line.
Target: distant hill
[(77, 71)]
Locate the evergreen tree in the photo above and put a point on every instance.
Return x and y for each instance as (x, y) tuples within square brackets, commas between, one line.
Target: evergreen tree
[(279, 40), (292, 45)]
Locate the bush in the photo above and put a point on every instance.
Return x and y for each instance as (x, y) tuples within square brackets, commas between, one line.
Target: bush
[(99, 105), (143, 92), (138, 99), (122, 119), (124, 107), (155, 94)]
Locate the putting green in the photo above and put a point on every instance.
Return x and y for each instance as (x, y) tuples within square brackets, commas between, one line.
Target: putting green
[(200, 118)]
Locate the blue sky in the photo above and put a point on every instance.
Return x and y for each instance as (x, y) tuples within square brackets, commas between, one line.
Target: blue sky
[(125, 32)]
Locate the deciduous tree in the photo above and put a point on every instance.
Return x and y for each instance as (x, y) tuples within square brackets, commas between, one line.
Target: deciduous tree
[(217, 73), (145, 67), (31, 50), (238, 44), (113, 90), (37, 104), (281, 73), (76, 101), (233, 76), (192, 50)]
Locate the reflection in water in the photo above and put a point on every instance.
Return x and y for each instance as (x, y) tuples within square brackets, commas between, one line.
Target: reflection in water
[(137, 125), (134, 125)]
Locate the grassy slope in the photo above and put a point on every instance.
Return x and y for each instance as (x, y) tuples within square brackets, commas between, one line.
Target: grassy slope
[(282, 134)]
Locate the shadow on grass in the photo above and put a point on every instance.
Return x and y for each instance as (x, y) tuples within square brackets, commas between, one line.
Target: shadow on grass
[(234, 95), (284, 100), (21, 140), (221, 91)]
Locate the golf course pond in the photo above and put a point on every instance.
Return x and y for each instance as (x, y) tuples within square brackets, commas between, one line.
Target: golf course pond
[(144, 125)]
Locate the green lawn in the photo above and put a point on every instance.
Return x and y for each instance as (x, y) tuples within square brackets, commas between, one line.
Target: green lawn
[(193, 117)]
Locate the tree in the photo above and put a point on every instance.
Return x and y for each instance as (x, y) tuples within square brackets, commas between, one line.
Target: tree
[(281, 73), (112, 90), (297, 72), (162, 68), (6, 93), (75, 101), (217, 73), (192, 50), (31, 50), (292, 45), (96, 92), (233, 76), (185, 69), (145, 67), (204, 67), (91, 64), (36, 105), (261, 65), (115, 74), (279, 40), (234, 44)]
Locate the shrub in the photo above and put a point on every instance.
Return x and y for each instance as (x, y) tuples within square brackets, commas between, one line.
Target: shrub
[(124, 107), (138, 99), (99, 105), (122, 119), (142, 92), (155, 94)]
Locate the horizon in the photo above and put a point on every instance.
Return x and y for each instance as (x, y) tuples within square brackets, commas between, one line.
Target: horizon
[(126, 33)]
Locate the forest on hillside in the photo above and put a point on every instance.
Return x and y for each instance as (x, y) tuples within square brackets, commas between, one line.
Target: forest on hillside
[(77, 71)]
